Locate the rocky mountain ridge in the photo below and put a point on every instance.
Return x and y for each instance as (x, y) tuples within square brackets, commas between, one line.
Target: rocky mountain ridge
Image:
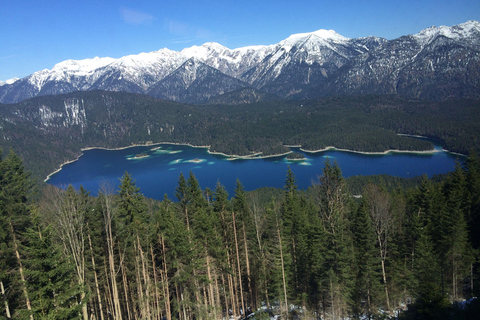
[(437, 63)]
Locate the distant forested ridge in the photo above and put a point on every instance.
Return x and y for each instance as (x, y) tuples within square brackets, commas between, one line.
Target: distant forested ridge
[(47, 131), (411, 253)]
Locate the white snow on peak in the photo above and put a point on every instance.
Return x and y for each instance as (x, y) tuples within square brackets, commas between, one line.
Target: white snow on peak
[(457, 32), (204, 51), (470, 25), (82, 66), (214, 46), (146, 59), (9, 81), (145, 69), (322, 34)]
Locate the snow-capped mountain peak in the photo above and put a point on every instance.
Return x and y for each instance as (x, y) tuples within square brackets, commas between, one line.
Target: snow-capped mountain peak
[(82, 66), (319, 35), (204, 51), (9, 81), (289, 68), (456, 32)]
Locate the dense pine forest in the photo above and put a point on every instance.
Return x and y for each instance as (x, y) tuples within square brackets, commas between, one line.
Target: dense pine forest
[(320, 253)]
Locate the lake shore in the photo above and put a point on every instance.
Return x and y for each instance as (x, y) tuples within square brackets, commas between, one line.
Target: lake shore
[(252, 156), (60, 168), (144, 145), (432, 151)]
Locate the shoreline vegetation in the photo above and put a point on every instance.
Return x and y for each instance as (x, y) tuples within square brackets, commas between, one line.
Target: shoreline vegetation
[(362, 123), (256, 155)]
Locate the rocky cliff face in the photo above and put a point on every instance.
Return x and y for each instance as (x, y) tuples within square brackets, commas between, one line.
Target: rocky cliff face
[(194, 82), (437, 63)]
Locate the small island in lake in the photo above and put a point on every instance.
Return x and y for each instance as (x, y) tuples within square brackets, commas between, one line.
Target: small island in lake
[(296, 156), (141, 155)]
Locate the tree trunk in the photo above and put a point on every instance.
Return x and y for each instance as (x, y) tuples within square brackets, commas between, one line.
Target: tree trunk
[(248, 267), (238, 263), (107, 216), (139, 308), (225, 296), (332, 298), (210, 282), (231, 285), (96, 279), (155, 284), (262, 253), (183, 305), (167, 300), (218, 306), (125, 285), (7, 309), (22, 276), (283, 268), (385, 284), (108, 291)]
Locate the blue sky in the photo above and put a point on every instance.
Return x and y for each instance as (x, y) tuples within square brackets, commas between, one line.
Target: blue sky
[(36, 35)]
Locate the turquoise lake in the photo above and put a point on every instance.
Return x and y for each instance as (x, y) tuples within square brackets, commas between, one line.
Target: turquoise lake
[(157, 174)]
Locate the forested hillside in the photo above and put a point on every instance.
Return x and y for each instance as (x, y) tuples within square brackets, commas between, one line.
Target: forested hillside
[(307, 255), (50, 130)]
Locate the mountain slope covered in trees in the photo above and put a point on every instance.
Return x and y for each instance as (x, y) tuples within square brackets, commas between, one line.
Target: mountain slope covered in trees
[(47, 131)]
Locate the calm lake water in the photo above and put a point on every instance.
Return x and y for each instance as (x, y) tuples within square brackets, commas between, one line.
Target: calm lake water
[(158, 173)]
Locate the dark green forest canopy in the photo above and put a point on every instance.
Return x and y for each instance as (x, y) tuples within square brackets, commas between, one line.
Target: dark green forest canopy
[(45, 135), (68, 255)]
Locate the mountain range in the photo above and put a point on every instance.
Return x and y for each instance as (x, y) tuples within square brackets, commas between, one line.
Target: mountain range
[(437, 63)]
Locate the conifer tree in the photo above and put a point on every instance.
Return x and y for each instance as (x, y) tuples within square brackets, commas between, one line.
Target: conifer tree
[(430, 297), (288, 213), (294, 228), (456, 248), (53, 289), (133, 223), (473, 215), (337, 281), (15, 190), (367, 286), (182, 194), (193, 207), (316, 245), (245, 231), (131, 206), (7, 261), (222, 207), (473, 187)]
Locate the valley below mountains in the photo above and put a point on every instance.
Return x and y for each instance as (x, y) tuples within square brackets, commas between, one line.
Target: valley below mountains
[(438, 63), (50, 130), (313, 90)]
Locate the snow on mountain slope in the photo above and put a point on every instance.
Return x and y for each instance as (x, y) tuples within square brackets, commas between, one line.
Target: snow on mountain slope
[(458, 32), (368, 65), (231, 62), (322, 35), (194, 81), (437, 63), (145, 69), (9, 81), (320, 52)]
